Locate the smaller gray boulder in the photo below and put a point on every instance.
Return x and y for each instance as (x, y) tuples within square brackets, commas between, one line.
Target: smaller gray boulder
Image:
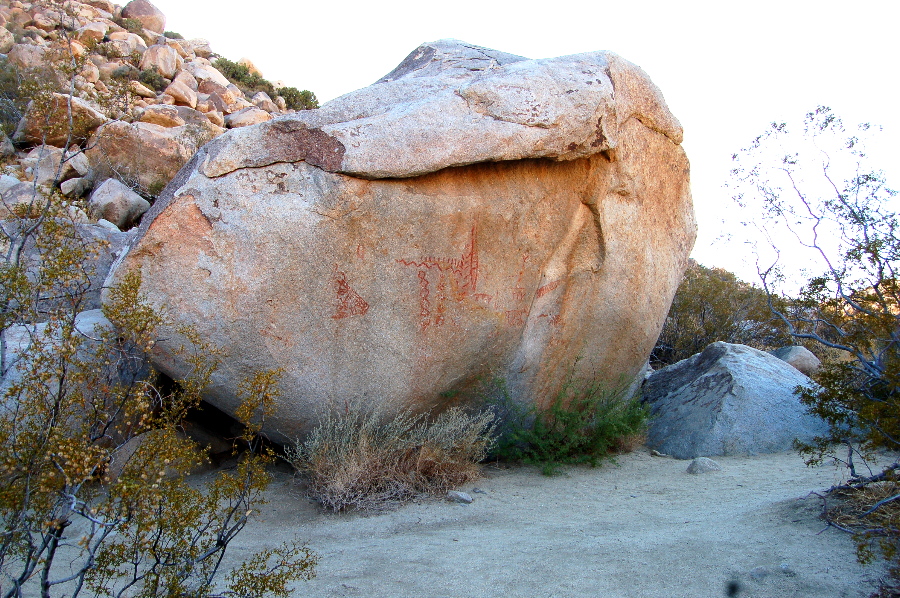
[(800, 357), (106, 244), (703, 465), (727, 400), (115, 202)]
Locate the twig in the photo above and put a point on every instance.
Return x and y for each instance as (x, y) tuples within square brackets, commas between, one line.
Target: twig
[(879, 504)]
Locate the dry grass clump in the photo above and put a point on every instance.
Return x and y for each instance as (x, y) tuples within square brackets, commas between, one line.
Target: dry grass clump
[(872, 513), (360, 458)]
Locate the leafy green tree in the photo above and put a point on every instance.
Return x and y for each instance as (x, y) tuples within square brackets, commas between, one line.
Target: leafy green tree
[(711, 305), (814, 187)]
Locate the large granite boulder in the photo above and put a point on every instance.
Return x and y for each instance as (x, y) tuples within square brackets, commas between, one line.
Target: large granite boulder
[(472, 214), (727, 400)]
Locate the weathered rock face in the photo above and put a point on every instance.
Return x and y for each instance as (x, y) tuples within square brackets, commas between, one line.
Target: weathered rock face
[(295, 244), (727, 400), (144, 154)]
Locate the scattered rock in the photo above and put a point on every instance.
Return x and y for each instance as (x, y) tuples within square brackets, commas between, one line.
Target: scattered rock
[(162, 115), (50, 123), (116, 203), (800, 357), (7, 182), (140, 89), (206, 72), (263, 101), (283, 245), (246, 117), (7, 41), (92, 32), (759, 573), (76, 188), (7, 149), (184, 95), (17, 196), (727, 400), (163, 59), (145, 154), (150, 17), (250, 67), (460, 497), (108, 225), (185, 78), (134, 41), (26, 56), (47, 164), (703, 465)]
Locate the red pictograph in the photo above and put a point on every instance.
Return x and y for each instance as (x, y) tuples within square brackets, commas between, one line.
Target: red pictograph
[(457, 278), (548, 288), (349, 302)]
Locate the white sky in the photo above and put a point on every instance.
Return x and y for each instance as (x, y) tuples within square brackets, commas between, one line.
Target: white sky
[(727, 69)]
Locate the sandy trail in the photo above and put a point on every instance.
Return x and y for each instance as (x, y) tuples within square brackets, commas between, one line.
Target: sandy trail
[(644, 528)]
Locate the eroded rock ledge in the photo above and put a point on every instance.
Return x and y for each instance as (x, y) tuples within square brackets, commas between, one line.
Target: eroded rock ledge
[(452, 104)]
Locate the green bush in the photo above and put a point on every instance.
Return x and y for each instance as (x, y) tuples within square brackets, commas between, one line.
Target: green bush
[(131, 25), (361, 458), (126, 72), (582, 424), (173, 35), (152, 79), (711, 305), (295, 99), (251, 83), (240, 75)]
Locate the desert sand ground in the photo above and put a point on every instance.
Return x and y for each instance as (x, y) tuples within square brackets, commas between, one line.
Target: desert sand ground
[(640, 528)]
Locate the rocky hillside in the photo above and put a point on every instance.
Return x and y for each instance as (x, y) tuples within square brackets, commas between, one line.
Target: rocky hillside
[(143, 100)]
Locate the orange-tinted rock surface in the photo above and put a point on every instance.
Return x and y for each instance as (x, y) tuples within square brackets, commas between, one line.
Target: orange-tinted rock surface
[(410, 291)]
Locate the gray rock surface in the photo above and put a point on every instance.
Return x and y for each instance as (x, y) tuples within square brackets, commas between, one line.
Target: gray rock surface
[(116, 203), (18, 338), (406, 291), (727, 400), (703, 465), (460, 497)]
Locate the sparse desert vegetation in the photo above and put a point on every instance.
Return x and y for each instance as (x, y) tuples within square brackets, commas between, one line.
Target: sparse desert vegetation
[(97, 471)]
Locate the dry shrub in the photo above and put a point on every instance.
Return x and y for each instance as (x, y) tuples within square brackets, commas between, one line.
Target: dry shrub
[(872, 513), (360, 458)]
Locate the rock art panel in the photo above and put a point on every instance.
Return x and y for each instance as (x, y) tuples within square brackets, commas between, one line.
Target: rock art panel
[(472, 214)]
